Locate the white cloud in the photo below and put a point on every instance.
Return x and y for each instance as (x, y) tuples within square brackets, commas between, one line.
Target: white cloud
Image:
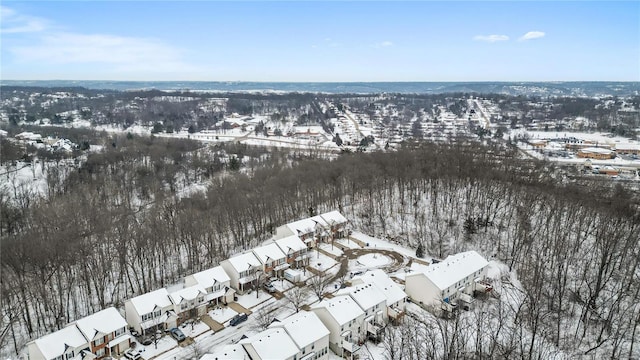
[(383, 44), (491, 38), (532, 35), (114, 53), (12, 22)]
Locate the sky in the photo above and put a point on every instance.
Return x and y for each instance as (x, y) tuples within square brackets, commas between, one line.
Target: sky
[(328, 41)]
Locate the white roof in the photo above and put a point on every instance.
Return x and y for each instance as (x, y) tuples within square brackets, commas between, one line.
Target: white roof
[(366, 295), (229, 352), (596, 150), (305, 328), (101, 323), (389, 288), (342, 308), (628, 146), (272, 343), (290, 244), (188, 293), (209, 277), (269, 253), (307, 225), (334, 217), (454, 268), (54, 344), (244, 262), (146, 303)]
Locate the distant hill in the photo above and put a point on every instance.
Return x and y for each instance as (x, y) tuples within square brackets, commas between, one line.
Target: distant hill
[(580, 88)]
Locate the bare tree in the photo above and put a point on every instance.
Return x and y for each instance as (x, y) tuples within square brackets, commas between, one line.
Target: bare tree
[(319, 283), (297, 297)]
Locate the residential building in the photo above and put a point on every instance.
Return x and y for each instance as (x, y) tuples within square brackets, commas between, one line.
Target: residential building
[(216, 283), (309, 230), (106, 332), (309, 334), (228, 352), (396, 298), (295, 251), (65, 344), (95, 336), (243, 271), (444, 284), (150, 312), (273, 260), (373, 302), (189, 303), (345, 321), (273, 343), (338, 224)]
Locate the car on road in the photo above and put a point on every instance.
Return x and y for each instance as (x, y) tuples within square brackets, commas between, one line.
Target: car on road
[(238, 319), (132, 354), (177, 334), (270, 288)]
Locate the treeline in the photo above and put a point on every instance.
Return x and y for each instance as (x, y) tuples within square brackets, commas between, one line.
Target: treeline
[(99, 241)]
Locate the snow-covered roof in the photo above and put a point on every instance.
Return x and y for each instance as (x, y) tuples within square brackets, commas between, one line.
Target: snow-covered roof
[(53, 345), (305, 328), (188, 293), (244, 262), (389, 288), (333, 217), (209, 277), (307, 225), (596, 150), (342, 308), (269, 253), (366, 295), (146, 303), (229, 352), (627, 146), (101, 323), (290, 244), (272, 343), (453, 269)]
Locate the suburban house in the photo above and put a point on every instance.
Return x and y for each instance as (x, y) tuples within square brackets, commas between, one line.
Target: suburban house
[(151, 311), (308, 333), (65, 344), (271, 344), (309, 230), (396, 298), (345, 321), (373, 302), (295, 251), (189, 303), (273, 260), (95, 336), (242, 270), (338, 224), (216, 283), (106, 332), (229, 352), (444, 284)]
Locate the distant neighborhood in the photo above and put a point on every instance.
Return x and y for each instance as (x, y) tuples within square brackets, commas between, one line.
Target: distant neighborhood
[(308, 262)]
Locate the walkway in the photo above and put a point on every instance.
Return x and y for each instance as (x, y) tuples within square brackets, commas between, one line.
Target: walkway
[(239, 308), (213, 325)]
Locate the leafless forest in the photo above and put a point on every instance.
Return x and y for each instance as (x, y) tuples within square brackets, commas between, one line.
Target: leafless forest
[(120, 224)]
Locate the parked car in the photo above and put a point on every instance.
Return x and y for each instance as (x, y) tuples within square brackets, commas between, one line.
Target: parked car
[(177, 334), (238, 319), (132, 354), (147, 340), (270, 288)]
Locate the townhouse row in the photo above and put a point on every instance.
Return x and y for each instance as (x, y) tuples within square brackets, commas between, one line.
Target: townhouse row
[(161, 309)]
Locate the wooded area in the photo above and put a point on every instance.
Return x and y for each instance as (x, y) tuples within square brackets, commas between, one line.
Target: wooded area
[(119, 226)]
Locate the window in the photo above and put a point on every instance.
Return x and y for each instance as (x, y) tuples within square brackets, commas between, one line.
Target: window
[(100, 352), (119, 332), (97, 342), (183, 306)]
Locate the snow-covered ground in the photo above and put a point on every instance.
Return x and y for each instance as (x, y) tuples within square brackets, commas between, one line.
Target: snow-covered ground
[(222, 314)]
